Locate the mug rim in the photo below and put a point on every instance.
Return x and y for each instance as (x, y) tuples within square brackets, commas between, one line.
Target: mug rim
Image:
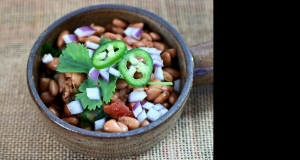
[(181, 99)]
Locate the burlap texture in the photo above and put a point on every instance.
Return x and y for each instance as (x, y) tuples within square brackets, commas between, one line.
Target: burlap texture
[(23, 137)]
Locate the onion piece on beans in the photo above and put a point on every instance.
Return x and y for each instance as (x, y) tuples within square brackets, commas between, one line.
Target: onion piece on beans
[(47, 58), (153, 114), (137, 109), (84, 31), (91, 45), (147, 105), (158, 63), (94, 74), (114, 71), (99, 124), (104, 74), (142, 116), (136, 96), (68, 38), (93, 93), (160, 108), (75, 107), (158, 73), (133, 32), (151, 50)]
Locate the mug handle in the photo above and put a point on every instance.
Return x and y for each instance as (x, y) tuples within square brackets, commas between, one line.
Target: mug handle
[(203, 63)]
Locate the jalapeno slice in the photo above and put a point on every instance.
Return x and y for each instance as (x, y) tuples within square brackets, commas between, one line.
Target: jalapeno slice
[(140, 61), (108, 54)]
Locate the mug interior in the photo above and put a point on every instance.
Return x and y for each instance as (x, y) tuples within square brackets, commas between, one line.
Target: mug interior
[(103, 15)]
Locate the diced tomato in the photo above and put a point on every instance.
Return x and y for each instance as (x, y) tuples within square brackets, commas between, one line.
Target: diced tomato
[(118, 109)]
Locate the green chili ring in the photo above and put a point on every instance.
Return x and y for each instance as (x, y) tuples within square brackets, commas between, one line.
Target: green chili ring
[(144, 67), (101, 59)]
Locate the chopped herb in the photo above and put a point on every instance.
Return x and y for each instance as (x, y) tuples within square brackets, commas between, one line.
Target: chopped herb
[(74, 58), (47, 48), (107, 89)]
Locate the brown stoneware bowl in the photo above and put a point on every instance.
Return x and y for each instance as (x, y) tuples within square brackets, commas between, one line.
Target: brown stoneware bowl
[(194, 63)]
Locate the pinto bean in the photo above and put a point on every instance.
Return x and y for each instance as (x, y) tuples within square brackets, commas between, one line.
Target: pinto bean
[(119, 23), (167, 88), (113, 126), (44, 84), (129, 40), (138, 44), (130, 122), (159, 45), (167, 76), (152, 93), (67, 111), (172, 98), (60, 41), (52, 65), (53, 88), (137, 25), (175, 74), (93, 38), (120, 84), (147, 43), (46, 97), (78, 78), (117, 30), (111, 36), (54, 111), (99, 29), (166, 105), (162, 97), (144, 123), (61, 81), (166, 57), (73, 120), (146, 36), (82, 39), (155, 36), (172, 52)]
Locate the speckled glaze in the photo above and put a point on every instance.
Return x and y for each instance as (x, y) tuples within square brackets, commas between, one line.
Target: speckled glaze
[(101, 144)]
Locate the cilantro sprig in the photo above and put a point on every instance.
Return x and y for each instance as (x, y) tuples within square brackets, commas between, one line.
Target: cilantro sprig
[(74, 58)]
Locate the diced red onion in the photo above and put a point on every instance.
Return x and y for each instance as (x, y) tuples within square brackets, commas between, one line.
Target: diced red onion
[(142, 116), (177, 85), (91, 45), (147, 105), (84, 31), (47, 58), (91, 52), (137, 109), (75, 107), (93, 93), (158, 63), (99, 124), (133, 32), (68, 38), (163, 111), (153, 114), (151, 50), (94, 74), (135, 96), (155, 56), (114, 71), (104, 74), (158, 73), (160, 108)]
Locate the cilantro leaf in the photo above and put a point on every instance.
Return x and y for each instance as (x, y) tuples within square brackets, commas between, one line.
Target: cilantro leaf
[(108, 89), (85, 101), (74, 58), (47, 48)]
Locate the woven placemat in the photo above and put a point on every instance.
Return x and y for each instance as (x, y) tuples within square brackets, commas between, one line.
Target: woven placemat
[(22, 136)]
